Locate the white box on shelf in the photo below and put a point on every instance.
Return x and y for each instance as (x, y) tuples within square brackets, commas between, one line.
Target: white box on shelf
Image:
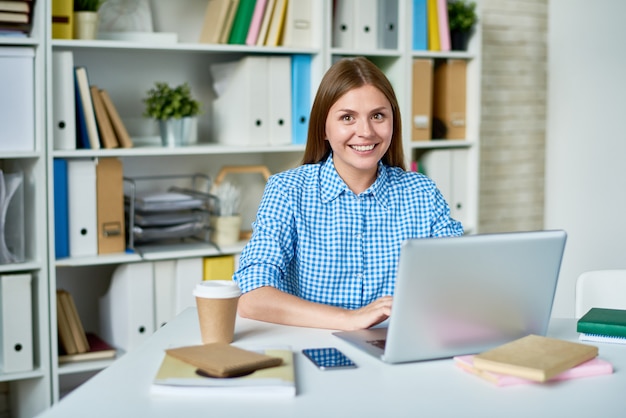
[(17, 107), (16, 323)]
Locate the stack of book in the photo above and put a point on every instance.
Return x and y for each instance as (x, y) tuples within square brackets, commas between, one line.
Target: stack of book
[(258, 22), (603, 325), (535, 359), (16, 17), (74, 343), (84, 114)]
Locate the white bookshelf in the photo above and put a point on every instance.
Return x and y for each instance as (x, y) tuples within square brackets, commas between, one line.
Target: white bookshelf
[(127, 70)]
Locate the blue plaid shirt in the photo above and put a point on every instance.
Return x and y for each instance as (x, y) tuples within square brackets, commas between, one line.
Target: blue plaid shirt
[(314, 238)]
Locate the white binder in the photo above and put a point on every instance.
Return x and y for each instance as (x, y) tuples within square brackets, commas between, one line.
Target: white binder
[(366, 24), (343, 24), (240, 112), (127, 309), (82, 207), (16, 323), (164, 291), (298, 24), (280, 120), (63, 108), (189, 272)]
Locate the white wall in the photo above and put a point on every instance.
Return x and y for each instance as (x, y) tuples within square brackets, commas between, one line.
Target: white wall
[(586, 138)]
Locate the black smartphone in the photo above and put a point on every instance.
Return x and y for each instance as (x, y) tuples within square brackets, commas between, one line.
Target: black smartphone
[(328, 358)]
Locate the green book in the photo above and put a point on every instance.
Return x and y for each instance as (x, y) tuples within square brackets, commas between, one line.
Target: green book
[(241, 24), (600, 321)]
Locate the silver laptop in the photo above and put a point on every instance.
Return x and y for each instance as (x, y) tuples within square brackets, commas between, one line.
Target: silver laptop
[(464, 295)]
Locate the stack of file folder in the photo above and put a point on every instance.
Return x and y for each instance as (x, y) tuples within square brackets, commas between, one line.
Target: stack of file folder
[(175, 215)]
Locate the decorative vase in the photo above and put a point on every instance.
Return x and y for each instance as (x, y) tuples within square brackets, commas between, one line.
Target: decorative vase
[(225, 229), (459, 40), (178, 132), (85, 25)]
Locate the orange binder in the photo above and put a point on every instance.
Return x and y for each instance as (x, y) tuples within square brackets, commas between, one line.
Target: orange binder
[(449, 96), (422, 99)]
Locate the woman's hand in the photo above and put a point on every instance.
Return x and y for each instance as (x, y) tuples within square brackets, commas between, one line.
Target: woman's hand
[(369, 315)]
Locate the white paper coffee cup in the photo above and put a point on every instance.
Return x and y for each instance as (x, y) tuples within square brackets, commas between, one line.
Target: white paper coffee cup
[(217, 309)]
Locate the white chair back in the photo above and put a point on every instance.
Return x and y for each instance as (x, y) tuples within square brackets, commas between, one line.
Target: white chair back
[(600, 289)]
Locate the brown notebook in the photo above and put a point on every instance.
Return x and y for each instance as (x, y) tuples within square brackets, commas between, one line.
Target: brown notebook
[(223, 360)]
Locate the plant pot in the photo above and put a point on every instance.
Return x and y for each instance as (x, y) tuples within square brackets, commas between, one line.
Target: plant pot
[(459, 40), (85, 25), (178, 132), (225, 229)]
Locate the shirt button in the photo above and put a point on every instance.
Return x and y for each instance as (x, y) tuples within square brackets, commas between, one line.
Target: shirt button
[(358, 235), (359, 276)]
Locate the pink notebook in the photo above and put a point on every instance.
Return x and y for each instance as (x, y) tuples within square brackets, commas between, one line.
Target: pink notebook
[(593, 367), (255, 23)]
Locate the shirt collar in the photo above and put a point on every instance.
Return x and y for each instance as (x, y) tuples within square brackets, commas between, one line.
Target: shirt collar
[(331, 185)]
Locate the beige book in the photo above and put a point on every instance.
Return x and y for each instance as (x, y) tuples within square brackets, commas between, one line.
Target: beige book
[(535, 357), (105, 128)]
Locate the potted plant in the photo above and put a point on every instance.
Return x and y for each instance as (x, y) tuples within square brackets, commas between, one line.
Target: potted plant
[(462, 18), (175, 109), (86, 18)]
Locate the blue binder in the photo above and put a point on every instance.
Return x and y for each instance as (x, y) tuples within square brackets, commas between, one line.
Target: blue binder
[(420, 26), (61, 226), (301, 96)]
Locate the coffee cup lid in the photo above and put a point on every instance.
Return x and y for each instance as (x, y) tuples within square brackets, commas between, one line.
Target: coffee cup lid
[(220, 289)]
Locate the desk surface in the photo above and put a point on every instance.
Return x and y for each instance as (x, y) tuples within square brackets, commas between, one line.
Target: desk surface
[(374, 389)]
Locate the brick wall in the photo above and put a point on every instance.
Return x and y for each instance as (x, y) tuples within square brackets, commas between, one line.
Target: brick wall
[(514, 62)]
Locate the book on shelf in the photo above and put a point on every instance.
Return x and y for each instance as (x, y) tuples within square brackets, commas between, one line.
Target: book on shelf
[(241, 23), (255, 22), (227, 25), (265, 22), (593, 367), (178, 377), (215, 17), (62, 19), (123, 138), (603, 322), (71, 332), (277, 23), (105, 128), (82, 84), (15, 6), (98, 350), (535, 357)]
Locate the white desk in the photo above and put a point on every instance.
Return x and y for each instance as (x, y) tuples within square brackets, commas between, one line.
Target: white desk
[(374, 389)]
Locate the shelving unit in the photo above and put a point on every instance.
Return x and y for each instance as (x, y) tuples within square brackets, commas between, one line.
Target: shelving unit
[(29, 391), (127, 70)]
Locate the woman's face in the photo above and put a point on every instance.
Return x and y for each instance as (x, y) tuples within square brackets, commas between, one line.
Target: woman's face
[(359, 127)]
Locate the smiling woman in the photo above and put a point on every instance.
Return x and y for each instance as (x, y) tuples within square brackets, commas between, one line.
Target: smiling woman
[(327, 235)]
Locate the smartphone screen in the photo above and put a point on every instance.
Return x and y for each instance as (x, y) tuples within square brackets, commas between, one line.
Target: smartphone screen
[(328, 358)]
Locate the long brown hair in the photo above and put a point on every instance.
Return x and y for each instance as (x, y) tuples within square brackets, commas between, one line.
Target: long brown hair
[(343, 76)]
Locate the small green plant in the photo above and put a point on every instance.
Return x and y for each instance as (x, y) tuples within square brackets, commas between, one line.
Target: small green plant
[(87, 5), (462, 15), (164, 102)]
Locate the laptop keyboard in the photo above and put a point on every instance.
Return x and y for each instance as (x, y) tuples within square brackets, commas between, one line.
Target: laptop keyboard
[(377, 343)]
